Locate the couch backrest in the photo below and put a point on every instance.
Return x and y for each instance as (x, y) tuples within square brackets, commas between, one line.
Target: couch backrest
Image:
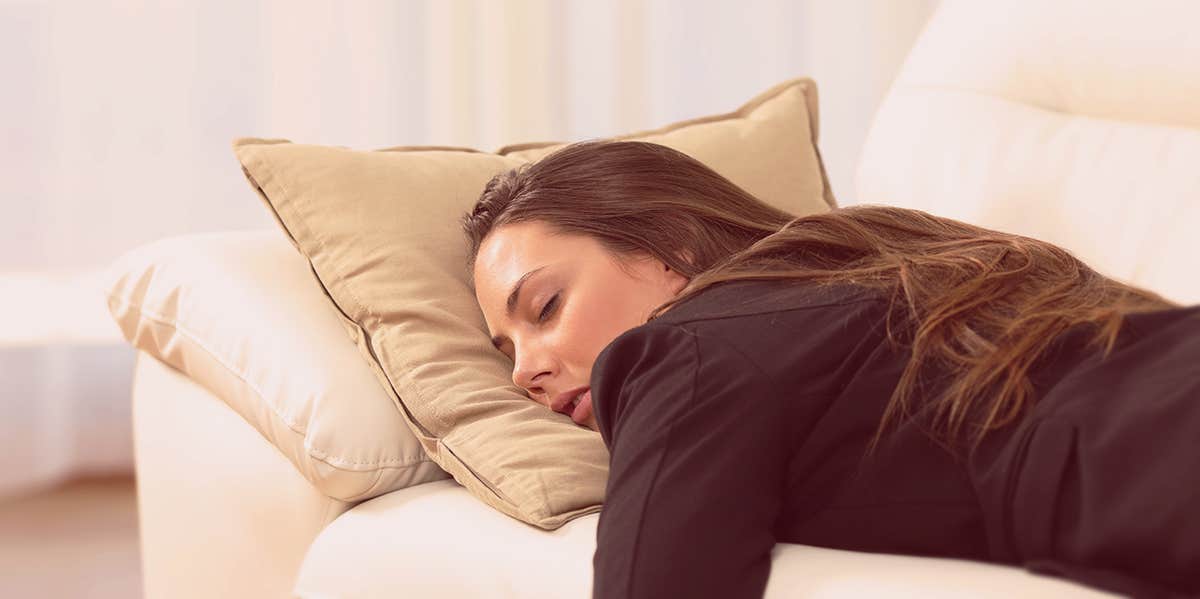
[(1072, 121)]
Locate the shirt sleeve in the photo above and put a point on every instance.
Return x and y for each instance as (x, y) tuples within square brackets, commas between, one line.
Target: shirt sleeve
[(698, 453)]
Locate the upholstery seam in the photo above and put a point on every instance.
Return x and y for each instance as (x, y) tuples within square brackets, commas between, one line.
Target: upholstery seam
[(1052, 109)]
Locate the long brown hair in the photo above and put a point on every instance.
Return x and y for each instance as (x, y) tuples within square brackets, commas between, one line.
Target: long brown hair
[(976, 306)]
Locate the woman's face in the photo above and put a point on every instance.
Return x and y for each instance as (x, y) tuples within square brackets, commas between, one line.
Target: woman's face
[(573, 300)]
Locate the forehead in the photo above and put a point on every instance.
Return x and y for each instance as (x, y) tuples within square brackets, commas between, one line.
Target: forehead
[(518, 245), (511, 250)]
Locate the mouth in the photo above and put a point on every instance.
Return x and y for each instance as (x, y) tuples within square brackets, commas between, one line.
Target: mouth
[(569, 402), (582, 407)]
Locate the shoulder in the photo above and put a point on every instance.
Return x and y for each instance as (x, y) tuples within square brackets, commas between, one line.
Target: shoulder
[(654, 358), (1139, 324), (733, 340), (749, 297), (792, 329), (659, 369)]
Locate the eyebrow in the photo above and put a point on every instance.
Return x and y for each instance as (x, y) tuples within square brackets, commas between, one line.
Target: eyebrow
[(510, 305)]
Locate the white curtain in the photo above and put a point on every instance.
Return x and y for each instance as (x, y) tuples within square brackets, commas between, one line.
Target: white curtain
[(117, 118)]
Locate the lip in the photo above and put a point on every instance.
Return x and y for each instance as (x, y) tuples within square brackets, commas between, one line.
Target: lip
[(562, 402), (584, 409)]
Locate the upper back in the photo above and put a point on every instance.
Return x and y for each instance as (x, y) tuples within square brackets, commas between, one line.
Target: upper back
[(729, 299), (807, 338)]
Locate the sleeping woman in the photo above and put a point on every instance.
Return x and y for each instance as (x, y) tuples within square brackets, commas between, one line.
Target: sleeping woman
[(870, 378)]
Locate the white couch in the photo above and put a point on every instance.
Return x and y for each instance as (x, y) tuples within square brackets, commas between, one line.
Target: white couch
[(1076, 122)]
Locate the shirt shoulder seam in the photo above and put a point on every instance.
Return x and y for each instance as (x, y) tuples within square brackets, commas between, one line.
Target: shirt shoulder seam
[(686, 320)]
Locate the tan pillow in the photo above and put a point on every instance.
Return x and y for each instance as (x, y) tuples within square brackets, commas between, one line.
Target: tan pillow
[(381, 231), (240, 313)]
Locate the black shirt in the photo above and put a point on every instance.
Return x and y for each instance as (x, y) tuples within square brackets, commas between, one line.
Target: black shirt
[(740, 418)]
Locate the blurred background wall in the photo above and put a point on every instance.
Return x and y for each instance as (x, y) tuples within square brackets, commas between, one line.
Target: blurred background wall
[(117, 118)]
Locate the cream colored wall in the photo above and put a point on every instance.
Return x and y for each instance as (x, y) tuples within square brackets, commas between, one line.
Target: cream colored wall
[(570, 70), (120, 113)]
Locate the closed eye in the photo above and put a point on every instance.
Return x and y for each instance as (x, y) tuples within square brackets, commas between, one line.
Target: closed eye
[(550, 305)]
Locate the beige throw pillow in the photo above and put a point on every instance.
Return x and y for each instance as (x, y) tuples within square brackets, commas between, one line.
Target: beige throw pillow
[(240, 313), (381, 231)]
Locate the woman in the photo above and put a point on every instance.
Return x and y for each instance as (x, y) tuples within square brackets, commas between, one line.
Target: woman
[(871, 378)]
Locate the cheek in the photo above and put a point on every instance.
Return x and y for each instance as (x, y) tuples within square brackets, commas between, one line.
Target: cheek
[(598, 315), (582, 330)]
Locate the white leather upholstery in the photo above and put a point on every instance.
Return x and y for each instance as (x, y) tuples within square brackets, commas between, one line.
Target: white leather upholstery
[(435, 540), (1076, 122), (221, 512)]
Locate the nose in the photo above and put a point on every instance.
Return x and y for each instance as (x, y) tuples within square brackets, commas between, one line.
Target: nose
[(529, 370)]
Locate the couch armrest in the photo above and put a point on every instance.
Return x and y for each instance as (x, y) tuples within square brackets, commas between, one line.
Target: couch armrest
[(222, 512)]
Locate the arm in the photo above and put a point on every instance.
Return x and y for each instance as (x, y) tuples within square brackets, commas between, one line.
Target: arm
[(699, 447)]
